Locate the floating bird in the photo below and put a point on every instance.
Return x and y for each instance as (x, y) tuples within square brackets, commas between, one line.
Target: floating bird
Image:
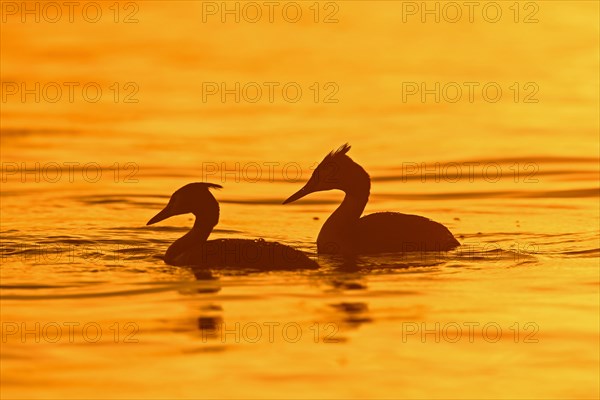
[(346, 233), (194, 249)]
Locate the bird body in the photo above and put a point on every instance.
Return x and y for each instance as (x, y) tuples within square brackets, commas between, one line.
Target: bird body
[(193, 249), (255, 254)]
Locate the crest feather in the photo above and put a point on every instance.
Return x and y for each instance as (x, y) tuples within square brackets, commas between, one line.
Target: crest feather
[(204, 185), (212, 185), (343, 149)]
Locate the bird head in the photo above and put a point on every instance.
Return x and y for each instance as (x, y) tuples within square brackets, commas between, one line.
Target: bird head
[(194, 198), (336, 171)]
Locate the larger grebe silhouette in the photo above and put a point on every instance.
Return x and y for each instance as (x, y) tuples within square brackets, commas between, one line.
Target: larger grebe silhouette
[(346, 233), (194, 249)]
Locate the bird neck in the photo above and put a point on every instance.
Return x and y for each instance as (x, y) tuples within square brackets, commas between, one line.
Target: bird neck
[(337, 233), (350, 210), (195, 237), (355, 199)]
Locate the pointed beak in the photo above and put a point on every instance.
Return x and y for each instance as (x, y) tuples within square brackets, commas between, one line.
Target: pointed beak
[(299, 194), (164, 214)]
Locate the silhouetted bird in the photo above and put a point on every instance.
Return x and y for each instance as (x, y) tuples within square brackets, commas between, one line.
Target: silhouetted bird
[(346, 233), (194, 249)]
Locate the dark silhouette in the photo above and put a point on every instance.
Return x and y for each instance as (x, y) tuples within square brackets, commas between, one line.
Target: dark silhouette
[(346, 233), (193, 249)]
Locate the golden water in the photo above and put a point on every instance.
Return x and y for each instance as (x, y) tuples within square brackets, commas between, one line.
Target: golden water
[(90, 311)]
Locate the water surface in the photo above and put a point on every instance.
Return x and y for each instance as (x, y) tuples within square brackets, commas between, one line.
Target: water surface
[(89, 310)]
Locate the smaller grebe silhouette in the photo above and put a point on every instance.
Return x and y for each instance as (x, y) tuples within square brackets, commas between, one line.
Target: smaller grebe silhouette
[(193, 249), (346, 233)]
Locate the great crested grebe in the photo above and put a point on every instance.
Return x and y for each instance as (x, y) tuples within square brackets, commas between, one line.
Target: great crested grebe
[(346, 233), (194, 249)]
